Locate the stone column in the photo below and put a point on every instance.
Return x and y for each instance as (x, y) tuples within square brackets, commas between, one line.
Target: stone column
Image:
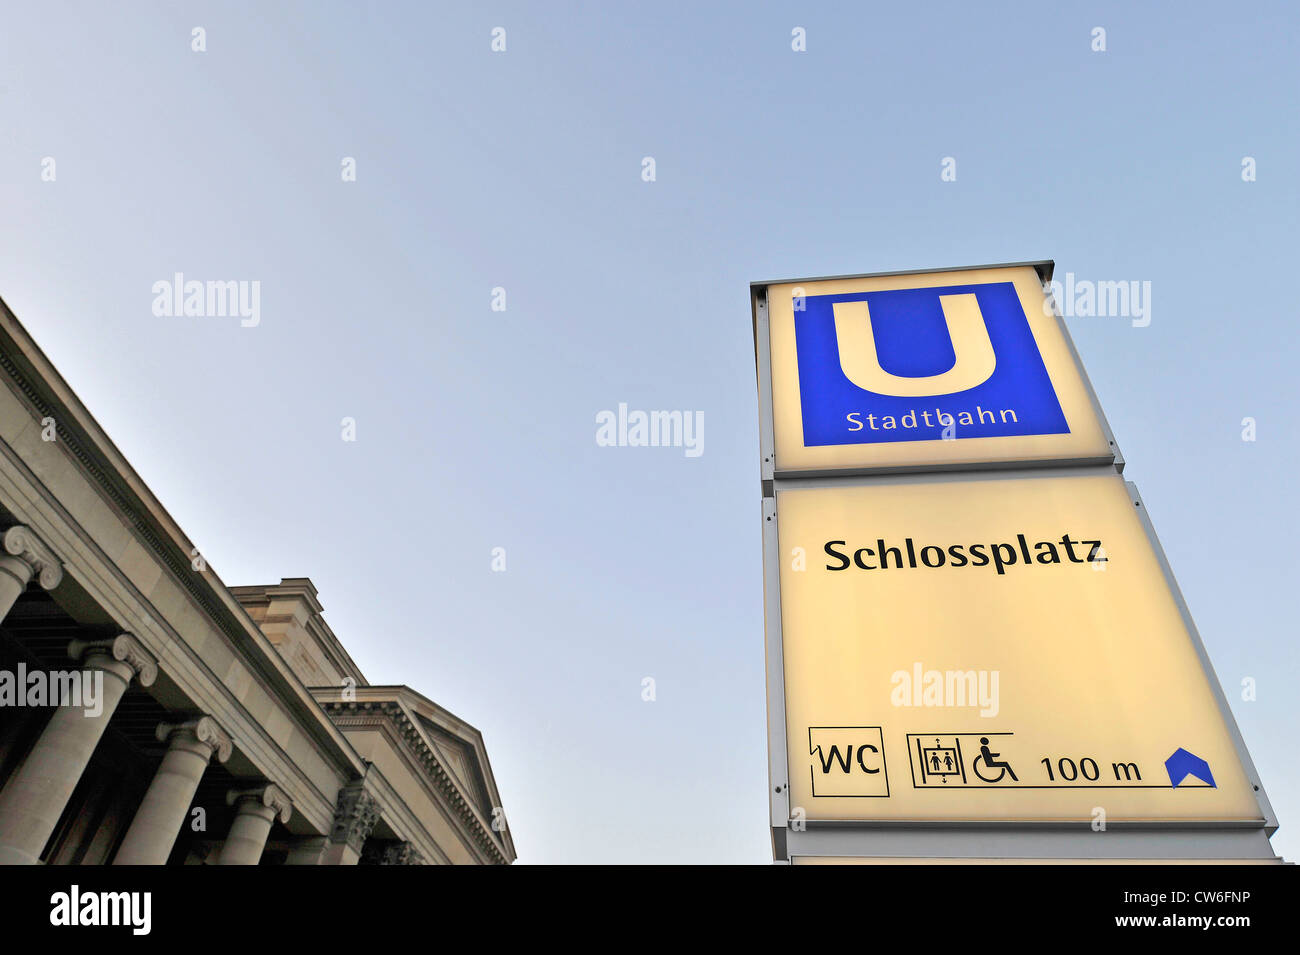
[(37, 793), (307, 850), (354, 819), (158, 821), (255, 810), (23, 556)]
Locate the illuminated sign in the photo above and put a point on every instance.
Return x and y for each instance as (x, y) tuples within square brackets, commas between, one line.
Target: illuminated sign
[(925, 370), (993, 648)]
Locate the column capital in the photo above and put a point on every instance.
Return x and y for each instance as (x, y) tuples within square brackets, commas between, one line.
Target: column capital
[(355, 816), (270, 797), (201, 733), (125, 647), (21, 541), (402, 854)]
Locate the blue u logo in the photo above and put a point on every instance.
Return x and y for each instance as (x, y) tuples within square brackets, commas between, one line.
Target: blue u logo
[(898, 365)]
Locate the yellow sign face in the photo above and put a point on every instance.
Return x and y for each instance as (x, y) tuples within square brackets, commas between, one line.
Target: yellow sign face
[(995, 649), (935, 369)]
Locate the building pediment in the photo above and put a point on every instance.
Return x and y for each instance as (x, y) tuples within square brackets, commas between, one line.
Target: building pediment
[(445, 752)]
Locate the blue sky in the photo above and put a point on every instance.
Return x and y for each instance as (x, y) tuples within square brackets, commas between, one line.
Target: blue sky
[(475, 428)]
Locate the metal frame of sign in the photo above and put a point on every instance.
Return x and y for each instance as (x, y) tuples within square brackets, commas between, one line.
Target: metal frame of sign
[(1173, 840), (763, 355)]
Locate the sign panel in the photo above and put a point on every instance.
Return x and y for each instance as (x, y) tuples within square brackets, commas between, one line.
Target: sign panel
[(938, 369), (993, 648)]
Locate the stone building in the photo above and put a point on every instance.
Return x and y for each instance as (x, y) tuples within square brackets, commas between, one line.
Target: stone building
[(230, 725)]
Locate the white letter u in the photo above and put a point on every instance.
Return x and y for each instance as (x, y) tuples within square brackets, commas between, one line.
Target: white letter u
[(974, 363)]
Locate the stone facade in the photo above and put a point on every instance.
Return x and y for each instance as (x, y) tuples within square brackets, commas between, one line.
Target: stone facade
[(151, 714)]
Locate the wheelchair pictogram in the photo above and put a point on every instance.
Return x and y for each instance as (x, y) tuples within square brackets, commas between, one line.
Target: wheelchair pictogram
[(990, 762)]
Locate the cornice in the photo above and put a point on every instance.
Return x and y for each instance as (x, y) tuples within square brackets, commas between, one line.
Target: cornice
[(392, 712), (203, 589)]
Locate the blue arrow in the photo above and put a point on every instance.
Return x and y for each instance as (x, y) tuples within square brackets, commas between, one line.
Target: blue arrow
[(1183, 764)]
